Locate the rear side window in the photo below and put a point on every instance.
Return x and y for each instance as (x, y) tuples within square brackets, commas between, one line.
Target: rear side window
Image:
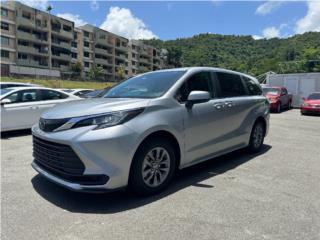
[(52, 95), (230, 85), (253, 88), (30, 95), (198, 82)]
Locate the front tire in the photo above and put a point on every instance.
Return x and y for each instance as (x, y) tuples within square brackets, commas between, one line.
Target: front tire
[(153, 167), (257, 137)]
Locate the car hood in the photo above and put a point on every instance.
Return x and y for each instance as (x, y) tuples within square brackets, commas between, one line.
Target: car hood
[(86, 107), (312, 101)]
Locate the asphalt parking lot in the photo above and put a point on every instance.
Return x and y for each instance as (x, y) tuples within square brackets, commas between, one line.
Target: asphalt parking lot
[(272, 195)]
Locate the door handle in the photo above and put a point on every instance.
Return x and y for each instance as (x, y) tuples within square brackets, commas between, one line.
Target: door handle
[(218, 105), (228, 104), (34, 107)]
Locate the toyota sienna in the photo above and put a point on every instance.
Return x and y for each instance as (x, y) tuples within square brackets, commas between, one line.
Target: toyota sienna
[(147, 127)]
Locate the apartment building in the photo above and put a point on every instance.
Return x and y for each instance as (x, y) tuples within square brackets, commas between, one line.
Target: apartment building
[(41, 40), (143, 58), (36, 39), (8, 35)]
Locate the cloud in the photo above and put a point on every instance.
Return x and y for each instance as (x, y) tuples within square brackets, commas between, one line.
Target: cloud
[(310, 22), (41, 4), (256, 37), (271, 32), (94, 5), (122, 22), (73, 17), (268, 7)]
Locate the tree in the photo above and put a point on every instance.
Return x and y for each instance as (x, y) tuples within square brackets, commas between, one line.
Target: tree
[(174, 56), (49, 8), (96, 72), (76, 68), (142, 70), (121, 74)]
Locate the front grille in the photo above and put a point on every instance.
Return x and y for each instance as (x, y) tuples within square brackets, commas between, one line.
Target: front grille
[(48, 125), (56, 157)]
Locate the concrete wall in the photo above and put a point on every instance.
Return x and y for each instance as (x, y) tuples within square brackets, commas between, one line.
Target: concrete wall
[(298, 84), (19, 70)]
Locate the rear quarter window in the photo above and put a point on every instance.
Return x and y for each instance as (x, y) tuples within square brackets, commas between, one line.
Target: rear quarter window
[(230, 85)]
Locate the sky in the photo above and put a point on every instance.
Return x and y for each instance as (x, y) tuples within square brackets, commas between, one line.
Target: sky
[(179, 19)]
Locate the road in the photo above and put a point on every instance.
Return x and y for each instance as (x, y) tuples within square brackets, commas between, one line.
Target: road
[(272, 195)]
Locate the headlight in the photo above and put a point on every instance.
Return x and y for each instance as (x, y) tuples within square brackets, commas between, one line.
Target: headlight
[(106, 120), (306, 105)]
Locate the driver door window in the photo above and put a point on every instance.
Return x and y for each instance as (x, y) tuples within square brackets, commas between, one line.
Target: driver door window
[(198, 82)]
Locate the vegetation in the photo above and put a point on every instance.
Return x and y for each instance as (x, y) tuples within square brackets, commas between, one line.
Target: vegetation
[(60, 83), (76, 68), (96, 72), (300, 53), (120, 73)]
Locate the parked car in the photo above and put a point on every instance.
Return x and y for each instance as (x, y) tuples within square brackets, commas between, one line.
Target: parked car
[(311, 105), (278, 96), (146, 127), (78, 92), (93, 94), (21, 107), (16, 84)]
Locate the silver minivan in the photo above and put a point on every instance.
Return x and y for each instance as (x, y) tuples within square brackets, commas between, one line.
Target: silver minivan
[(147, 127)]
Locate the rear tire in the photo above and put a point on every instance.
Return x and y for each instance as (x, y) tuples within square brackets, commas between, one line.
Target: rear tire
[(153, 167), (256, 137)]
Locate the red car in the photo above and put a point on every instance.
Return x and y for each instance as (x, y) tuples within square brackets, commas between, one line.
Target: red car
[(278, 97), (311, 104)]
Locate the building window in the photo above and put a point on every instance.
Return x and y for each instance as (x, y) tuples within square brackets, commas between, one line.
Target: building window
[(86, 54), (134, 55), (4, 12), (74, 55), (102, 36), (66, 28), (22, 56), (74, 44), (38, 22), (4, 53), (4, 26), (86, 44), (4, 40), (26, 15), (86, 34), (86, 64), (23, 43)]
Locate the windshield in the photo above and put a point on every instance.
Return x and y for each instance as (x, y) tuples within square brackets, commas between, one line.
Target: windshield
[(272, 91), (314, 96), (149, 85), (4, 91)]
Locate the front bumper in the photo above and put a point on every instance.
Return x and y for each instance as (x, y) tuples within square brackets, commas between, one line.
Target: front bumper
[(273, 106), (106, 152), (310, 110)]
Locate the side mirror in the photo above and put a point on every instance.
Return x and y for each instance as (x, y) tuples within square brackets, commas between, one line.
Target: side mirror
[(197, 97), (5, 101)]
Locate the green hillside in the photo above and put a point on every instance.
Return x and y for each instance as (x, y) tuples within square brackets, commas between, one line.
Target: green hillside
[(244, 54)]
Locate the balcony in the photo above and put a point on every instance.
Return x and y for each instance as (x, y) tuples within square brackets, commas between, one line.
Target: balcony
[(121, 56), (62, 33), (30, 37), (145, 61), (62, 44), (103, 61), (104, 42), (21, 21), (103, 51), (31, 50), (62, 56), (31, 63), (122, 48), (145, 53)]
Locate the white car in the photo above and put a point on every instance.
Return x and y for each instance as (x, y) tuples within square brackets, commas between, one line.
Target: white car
[(17, 84), (77, 92), (21, 107)]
